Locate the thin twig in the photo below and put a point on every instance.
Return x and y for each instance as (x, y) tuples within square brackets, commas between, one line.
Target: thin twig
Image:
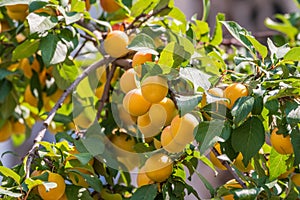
[(147, 17), (105, 94), (231, 171), (41, 133)]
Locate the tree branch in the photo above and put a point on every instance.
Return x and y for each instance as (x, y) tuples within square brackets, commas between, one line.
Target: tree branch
[(105, 94), (230, 170), (41, 133)]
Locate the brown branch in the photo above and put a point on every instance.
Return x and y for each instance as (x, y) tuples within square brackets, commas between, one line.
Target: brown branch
[(41, 133), (231, 171), (105, 94)]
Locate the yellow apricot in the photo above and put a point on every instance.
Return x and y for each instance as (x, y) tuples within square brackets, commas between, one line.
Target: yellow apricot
[(54, 193), (168, 142), (109, 5), (29, 97), (18, 128), (147, 127), (281, 144), (296, 179), (182, 128), (164, 110), (154, 88), (124, 117), (128, 81), (123, 143), (142, 178), (138, 59), (218, 92), (233, 92), (17, 12), (215, 160), (115, 44), (158, 167), (5, 131), (135, 104)]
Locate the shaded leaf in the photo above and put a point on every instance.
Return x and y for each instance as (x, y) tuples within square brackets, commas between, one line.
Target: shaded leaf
[(248, 138), (26, 49), (187, 103), (197, 77), (143, 43), (147, 192), (241, 109)]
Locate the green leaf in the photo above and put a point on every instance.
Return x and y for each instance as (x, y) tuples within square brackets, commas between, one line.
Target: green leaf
[(277, 164), (54, 51), (187, 103), (5, 88), (177, 14), (240, 34), (175, 54), (8, 107), (285, 27), (5, 73), (292, 110), (295, 138), (208, 133), (293, 54), (26, 49), (241, 109), (94, 144), (40, 24), (218, 33), (258, 105), (147, 192), (260, 48), (65, 74), (143, 43), (248, 138), (70, 17), (197, 77), (73, 192), (142, 6), (10, 173), (10, 193), (32, 183)]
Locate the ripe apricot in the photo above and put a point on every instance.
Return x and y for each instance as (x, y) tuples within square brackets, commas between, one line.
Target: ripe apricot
[(168, 142), (109, 5), (154, 88), (142, 178), (296, 179), (17, 12), (135, 104), (5, 131), (115, 44), (138, 59), (29, 97), (124, 117), (215, 160), (158, 167), (54, 193), (218, 92), (18, 128), (164, 110), (281, 144), (128, 80), (233, 92), (123, 143), (148, 126), (182, 128)]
